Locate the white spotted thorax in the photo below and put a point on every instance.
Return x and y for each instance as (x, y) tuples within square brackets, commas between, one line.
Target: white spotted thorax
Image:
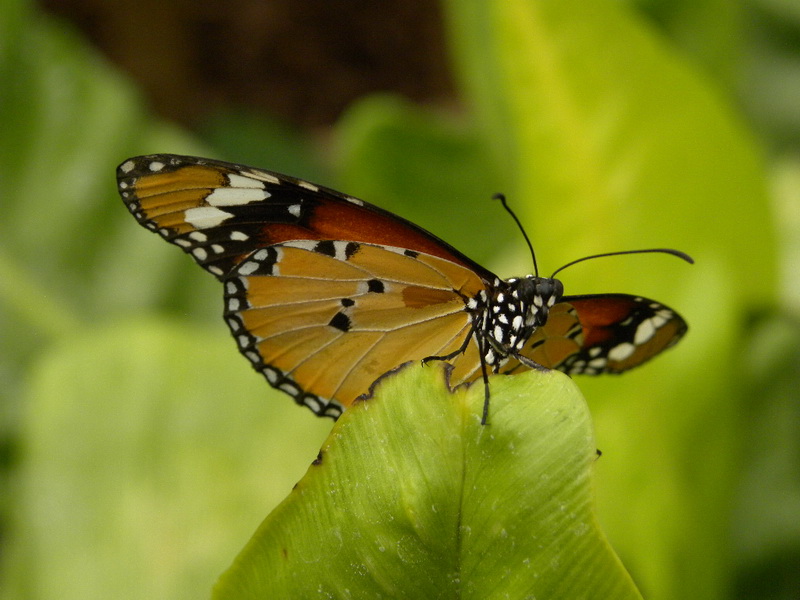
[(510, 316)]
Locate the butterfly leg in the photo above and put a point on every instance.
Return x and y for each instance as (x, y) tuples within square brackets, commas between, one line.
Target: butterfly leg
[(485, 375), (484, 372), (530, 363), (456, 352)]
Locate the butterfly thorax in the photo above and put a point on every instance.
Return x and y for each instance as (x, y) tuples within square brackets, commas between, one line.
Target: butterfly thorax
[(510, 312)]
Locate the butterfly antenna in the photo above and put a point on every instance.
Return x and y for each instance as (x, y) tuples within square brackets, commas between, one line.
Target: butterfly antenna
[(502, 199), (678, 253)]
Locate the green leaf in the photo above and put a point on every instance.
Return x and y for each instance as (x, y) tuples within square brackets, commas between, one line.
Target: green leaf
[(711, 32), (151, 451), (767, 530), (411, 497)]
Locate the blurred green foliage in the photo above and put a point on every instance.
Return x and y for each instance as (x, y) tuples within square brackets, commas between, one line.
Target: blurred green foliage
[(138, 449)]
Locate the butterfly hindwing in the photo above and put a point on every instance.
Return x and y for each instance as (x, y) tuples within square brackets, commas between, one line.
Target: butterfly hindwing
[(323, 320), (604, 333)]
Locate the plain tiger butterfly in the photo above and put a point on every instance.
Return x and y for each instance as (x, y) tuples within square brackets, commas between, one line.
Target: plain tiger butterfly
[(324, 293)]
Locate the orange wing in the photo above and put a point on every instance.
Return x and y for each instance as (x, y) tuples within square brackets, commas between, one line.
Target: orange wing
[(603, 333), (323, 320)]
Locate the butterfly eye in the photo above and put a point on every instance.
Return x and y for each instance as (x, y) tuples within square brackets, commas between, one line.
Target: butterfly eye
[(558, 290), (549, 289)]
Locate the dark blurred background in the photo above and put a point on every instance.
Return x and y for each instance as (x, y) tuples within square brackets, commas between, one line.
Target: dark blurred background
[(303, 62)]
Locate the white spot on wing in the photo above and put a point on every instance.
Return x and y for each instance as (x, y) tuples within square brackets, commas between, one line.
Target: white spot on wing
[(262, 254), (308, 186), (200, 253), (272, 375), (312, 402), (597, 363), (340, 249), (205, 217), (127, 166), (226, 196), (644, 332), (248, 268), (156, 166), (294, 210), (621, 351), (658, 320), (302, 244), (239, 236), (262, 176), (242, 181), (289, 388), (198, 236)]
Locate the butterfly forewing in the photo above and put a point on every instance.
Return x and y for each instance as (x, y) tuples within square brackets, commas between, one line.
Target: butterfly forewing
[(219, 212), (324, 321), (604, 333)]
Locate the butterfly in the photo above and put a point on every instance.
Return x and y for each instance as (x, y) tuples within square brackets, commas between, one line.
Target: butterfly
[(324, 293)]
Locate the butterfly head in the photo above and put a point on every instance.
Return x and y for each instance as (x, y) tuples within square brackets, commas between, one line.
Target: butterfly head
[(536, 296)]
